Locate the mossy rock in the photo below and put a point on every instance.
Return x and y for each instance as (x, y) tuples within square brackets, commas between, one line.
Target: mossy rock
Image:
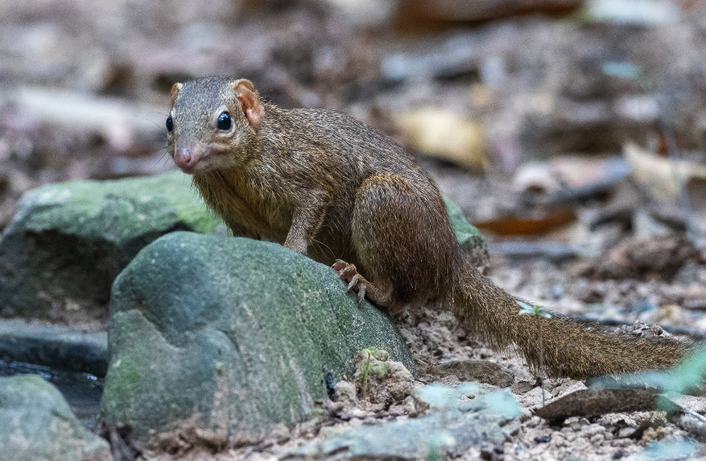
[(37, 424), (469, 237), (220, 340), (68, 241)]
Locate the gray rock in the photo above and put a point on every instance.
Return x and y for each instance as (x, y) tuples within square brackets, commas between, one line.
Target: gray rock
[(380, 379), (61, 347), (472, 424), (36, 424), (219, 341), (68, 241)]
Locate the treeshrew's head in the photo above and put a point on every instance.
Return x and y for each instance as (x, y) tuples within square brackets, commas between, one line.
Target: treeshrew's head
[(213, 123)]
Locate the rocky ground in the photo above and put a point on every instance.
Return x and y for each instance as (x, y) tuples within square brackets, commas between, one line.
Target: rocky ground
[(571, 133), (258, 363)]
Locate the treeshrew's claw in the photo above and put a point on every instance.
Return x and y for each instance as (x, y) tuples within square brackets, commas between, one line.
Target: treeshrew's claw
[(353, 282), (349, 274), (361, 293)]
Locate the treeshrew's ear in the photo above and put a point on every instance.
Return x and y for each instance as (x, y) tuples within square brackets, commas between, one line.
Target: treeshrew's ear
[(175, 92), (249, 100)]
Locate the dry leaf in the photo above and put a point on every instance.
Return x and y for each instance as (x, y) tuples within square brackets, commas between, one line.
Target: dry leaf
[(414, 14), (661, 178), (538, 223), (440, 133)]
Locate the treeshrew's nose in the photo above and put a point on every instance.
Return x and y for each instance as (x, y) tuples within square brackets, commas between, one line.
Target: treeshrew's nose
[(184, 159)]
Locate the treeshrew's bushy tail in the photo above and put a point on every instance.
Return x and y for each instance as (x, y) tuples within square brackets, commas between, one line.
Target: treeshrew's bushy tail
[(569, 348)]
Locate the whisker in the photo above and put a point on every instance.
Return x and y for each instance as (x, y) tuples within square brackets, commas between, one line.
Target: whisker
[(160, 112), (150, 120)]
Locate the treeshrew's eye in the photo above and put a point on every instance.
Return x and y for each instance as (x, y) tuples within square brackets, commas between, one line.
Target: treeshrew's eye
[(224, 121), (170, 123)]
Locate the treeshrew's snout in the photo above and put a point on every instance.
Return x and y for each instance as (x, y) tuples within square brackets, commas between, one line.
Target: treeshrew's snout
[(185, 160)]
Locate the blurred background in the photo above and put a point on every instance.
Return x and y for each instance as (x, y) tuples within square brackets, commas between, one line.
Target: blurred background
[(563, 128)]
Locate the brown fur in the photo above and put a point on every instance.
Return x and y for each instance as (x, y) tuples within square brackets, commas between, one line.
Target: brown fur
[(326, 185)]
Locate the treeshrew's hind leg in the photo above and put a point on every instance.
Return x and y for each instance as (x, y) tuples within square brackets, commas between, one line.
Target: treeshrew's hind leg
[(380, 295)]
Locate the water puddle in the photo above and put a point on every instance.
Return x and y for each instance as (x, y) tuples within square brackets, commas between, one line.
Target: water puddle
[(81, 390)]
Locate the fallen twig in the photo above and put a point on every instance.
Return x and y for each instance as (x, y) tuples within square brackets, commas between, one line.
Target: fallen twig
[(591, 402)]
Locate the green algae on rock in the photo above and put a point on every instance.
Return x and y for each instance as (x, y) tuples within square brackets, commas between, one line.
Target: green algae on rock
[(68, 241), (469, 237)]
